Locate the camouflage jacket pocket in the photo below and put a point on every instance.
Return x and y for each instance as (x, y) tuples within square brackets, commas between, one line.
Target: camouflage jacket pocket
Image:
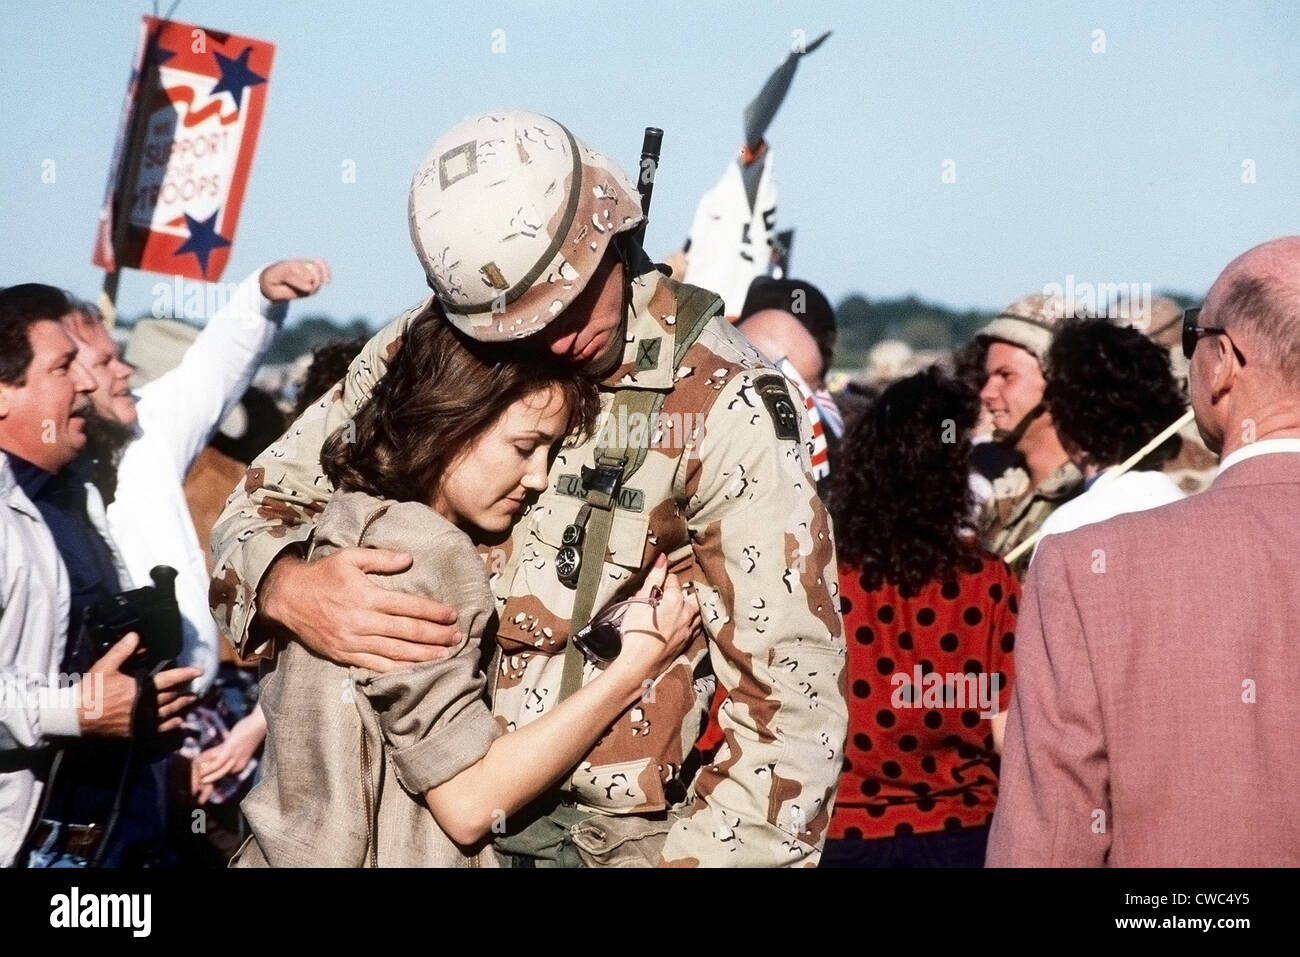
[(627, 540), (624, 841), (537, 604), (803, 780)]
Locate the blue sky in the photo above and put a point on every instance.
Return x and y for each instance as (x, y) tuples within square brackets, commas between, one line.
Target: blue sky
[(1122, 166)]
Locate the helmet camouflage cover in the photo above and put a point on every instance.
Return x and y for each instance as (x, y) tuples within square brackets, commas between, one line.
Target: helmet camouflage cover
[(510, 215), (1030, 323)]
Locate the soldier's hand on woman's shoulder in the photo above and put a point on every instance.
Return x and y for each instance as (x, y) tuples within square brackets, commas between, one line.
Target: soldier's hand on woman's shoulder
[(335, 609)]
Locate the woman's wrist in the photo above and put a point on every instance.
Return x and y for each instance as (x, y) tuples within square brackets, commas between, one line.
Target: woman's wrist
[(628, 680)]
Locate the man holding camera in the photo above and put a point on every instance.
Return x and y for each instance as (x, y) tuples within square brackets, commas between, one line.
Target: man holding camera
[(54, 565), (144, 442)]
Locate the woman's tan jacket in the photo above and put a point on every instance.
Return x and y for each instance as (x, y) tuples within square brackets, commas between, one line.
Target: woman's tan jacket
[(349, 752)]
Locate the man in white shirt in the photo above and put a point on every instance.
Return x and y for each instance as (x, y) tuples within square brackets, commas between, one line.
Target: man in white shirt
[(1110, 390), (158, 435), (43, 401)]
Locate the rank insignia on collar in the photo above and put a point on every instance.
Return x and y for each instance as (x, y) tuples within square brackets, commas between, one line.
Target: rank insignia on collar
[(647, 353)]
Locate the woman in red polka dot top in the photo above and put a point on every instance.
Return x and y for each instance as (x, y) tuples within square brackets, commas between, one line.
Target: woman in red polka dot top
[(930, 622)]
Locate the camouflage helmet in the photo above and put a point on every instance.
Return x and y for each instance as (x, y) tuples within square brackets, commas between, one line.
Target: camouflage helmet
[(510, 215), (1164, 325), (1030, 323)]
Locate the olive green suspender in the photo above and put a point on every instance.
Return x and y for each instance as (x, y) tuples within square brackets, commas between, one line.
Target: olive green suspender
[(615, 465)]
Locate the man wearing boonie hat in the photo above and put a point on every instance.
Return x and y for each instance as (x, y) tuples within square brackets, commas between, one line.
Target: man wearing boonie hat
[(1017, 340)]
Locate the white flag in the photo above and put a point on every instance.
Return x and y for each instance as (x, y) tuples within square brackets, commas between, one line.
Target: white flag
[(728, 245)]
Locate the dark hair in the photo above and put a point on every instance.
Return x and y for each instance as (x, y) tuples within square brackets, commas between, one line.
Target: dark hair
[(968, 364), (22, 306), (901, 490), (442, 390), (329, 363), (1110, 390)]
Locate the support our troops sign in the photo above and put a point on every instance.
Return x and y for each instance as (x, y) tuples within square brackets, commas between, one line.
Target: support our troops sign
[(184, 148)]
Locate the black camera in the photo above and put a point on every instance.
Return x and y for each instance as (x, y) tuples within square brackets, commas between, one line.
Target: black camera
[(151, 612)]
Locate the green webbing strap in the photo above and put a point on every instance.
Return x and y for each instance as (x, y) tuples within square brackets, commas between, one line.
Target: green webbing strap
[(599, 524), (695, 307), (698, 306)]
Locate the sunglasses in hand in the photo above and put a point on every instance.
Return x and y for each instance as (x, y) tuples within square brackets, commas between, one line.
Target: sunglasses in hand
[(602, 639)]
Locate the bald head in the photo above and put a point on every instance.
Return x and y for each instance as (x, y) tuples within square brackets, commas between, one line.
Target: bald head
[(1245, 386), (777, 334), (1257, 299)]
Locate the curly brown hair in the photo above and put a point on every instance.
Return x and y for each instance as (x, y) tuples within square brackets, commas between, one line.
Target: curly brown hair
[(442, 391)]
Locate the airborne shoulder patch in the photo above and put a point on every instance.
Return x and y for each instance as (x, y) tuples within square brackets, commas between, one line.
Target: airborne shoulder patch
[(776, 398)]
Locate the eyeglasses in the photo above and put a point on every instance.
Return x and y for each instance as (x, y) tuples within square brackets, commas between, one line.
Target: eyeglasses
[(602, 640), (1192, 334)]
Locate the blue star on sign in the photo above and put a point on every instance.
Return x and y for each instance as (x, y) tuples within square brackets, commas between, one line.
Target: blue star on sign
[(203, 239), (236, 76)]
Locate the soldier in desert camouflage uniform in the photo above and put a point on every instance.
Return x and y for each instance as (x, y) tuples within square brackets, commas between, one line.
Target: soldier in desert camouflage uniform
[(724, 490), (1017, 340)]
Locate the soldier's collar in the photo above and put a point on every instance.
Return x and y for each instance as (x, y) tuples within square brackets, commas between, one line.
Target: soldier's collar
[(650, 336), (1061, 484)]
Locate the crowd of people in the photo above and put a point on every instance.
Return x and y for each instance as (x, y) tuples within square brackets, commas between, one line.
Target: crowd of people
[(567, 567)]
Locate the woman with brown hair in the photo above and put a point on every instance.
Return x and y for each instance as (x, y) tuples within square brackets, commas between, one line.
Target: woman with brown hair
[(410, 768)]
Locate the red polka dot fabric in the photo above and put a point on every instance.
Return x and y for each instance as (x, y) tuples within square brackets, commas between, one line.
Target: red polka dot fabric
[(924, 672)]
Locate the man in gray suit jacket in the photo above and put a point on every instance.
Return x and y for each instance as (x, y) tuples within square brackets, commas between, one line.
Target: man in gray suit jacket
[(1155, 719)]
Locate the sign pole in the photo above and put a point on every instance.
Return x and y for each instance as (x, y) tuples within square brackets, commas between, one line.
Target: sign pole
[(108, 298), (140, 112)]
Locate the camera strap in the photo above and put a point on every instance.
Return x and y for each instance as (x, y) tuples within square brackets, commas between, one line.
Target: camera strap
[(144, 719)]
